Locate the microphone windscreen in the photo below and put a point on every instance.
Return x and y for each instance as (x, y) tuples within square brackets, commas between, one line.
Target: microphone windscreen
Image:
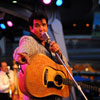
[(45, 36)]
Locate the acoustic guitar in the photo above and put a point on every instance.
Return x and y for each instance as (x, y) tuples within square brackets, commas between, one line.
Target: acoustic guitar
[(44, 77)]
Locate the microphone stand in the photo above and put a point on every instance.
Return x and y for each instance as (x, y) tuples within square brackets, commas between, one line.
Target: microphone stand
[(46, 37), (78, 86)]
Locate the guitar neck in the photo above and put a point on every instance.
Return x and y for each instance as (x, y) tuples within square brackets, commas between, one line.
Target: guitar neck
[(83, 85), (15, 79)]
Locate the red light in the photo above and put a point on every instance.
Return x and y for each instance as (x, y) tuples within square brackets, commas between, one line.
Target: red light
[(9, 23)]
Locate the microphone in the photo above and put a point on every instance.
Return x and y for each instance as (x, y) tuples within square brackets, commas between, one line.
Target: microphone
[(46, 37)]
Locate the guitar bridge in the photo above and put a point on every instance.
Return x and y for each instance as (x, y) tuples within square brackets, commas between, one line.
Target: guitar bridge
[(52, 85)]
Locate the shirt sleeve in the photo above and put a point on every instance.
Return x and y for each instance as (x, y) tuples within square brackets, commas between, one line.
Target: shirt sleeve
[(3, 87), (30, 46), (26, 45)]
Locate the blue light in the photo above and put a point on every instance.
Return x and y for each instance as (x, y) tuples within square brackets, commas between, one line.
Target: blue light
[(59, 2), (2, 26)]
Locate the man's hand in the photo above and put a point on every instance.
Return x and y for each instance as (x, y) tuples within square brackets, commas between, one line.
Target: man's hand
[(23, 58), (54, 47)]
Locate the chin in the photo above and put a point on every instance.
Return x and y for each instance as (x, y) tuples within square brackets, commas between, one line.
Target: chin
[(41, 39)]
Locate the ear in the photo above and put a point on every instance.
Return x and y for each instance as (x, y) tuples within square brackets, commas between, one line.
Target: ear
[(31, 29)]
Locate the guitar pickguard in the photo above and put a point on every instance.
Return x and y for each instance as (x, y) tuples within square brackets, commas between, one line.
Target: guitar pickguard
[(53, 78)]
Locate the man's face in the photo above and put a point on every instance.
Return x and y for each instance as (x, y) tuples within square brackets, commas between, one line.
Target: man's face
[(39, 26), (4, 67)]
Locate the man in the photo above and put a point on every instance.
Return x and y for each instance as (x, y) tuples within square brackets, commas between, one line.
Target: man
[(6, 81), (31, 45)]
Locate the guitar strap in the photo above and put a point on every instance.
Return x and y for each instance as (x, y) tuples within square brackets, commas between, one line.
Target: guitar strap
[(47, 47)]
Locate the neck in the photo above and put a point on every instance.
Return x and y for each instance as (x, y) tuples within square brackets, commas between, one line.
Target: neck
[(43, 43)]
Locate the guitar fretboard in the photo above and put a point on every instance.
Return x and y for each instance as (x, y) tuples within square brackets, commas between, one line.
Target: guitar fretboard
[(83, 85)]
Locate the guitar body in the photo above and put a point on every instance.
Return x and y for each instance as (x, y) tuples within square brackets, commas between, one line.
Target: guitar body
[(43, 77)]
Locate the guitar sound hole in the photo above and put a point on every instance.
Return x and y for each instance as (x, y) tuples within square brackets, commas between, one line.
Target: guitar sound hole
[(58, 79), (52, 85)]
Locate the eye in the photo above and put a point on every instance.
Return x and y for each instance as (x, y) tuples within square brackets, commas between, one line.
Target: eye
[(44, 24), (37, 25)]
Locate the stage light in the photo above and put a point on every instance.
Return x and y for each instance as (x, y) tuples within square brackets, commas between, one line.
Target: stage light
[(46, 1), (87, 25), (14, 1), (9, 23), (74, 25), (2, 26), (59, 2)]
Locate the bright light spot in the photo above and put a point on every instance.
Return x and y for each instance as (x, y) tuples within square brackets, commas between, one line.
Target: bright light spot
[(59, 2), (9, 23), (46, 1), (8, 67), (14, 1), (3, 26), (74, 25), (87, 25)]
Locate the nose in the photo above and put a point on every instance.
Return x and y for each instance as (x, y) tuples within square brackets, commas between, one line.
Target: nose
[(41, 28)]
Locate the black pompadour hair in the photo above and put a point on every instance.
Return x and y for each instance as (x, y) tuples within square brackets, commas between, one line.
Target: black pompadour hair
[(37, 15)]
